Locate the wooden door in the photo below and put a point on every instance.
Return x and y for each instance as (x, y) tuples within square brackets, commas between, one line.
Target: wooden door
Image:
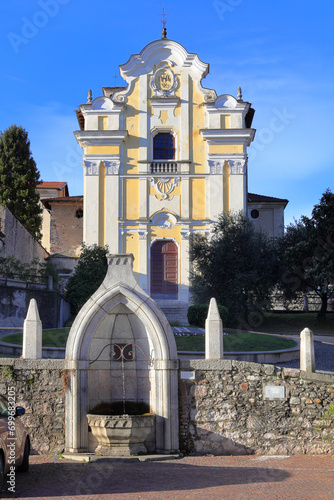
[(164, 270)]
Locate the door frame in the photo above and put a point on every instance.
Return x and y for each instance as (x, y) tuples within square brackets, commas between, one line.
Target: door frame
[(178, 263)]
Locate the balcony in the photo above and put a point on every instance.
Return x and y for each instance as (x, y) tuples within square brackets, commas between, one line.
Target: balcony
[(163, 167)]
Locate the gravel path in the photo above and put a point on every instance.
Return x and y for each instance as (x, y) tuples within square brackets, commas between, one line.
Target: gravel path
[(324, 358)]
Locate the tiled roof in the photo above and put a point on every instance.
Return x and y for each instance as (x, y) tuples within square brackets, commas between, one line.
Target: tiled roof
[(259, 198), (51, 185), (62, 199)]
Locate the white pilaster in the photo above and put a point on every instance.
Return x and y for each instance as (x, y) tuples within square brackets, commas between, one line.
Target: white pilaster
[(143, 260), (238, 185), (91, 202), (184, 266), (184, 126), (112, 205)]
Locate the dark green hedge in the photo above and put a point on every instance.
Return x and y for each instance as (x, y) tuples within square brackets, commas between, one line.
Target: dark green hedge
[(198, 313)]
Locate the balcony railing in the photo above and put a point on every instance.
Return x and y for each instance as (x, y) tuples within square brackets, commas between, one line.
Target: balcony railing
[(164, 167)]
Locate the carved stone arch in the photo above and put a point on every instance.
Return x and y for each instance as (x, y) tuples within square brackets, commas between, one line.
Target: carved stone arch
[(120, 298)]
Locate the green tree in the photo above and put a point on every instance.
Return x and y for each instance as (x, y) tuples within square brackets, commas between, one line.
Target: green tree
[(238, 266), (88, 276), (307, 254), (19, 177)]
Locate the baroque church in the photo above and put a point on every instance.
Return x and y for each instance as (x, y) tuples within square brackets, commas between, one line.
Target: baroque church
[(163, 157)]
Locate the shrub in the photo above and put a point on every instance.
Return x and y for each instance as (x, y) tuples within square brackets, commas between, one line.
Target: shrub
[(198, 313)]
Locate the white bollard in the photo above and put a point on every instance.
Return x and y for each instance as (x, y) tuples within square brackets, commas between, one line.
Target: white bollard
[(307, 357), (32, 333), (214, 348)]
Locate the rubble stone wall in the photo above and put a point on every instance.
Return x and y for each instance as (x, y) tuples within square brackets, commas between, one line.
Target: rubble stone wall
[(224, 411), (38, 387)]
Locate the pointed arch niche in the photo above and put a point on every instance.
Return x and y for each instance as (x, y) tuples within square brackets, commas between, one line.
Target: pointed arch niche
[(121, 313)]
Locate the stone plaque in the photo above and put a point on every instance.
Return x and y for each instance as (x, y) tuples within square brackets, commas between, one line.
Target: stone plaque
[(187, 375), (274, 391)]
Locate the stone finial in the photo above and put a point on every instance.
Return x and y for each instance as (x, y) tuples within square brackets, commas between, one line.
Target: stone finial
[(214, 348), (239, 95), (307, 357), (32, 333), (90, 96)]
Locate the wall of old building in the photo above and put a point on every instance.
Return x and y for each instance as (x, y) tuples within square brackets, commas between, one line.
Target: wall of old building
[(18, 242)]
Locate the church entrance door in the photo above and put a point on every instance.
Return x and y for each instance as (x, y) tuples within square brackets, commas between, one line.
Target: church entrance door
[(164, 270)]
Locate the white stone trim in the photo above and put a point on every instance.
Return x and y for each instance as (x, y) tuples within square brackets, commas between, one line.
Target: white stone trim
[(88, 138), (228, 136), (112, 166), (91, 167), (238, 167), (173, 182)]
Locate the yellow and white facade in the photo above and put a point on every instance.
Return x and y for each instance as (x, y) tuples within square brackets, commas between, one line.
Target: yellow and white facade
[(137, 196)]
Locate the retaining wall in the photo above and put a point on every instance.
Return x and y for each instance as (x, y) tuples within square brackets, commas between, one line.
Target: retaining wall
[(226, 407), (224, 411), (38, 387)]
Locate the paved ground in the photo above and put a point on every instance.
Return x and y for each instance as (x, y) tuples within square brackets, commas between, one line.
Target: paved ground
[(232, 478)]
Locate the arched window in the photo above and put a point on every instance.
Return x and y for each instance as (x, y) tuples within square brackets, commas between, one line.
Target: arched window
[(163, 146)]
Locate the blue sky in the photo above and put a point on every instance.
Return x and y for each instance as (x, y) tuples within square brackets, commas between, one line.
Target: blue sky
[(279, 52)]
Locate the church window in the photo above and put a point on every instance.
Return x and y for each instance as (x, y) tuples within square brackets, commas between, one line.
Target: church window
[(164, 146)]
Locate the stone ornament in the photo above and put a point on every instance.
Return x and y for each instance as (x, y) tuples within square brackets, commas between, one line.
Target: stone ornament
[(91, 167), (237, 167), (112, 167), (216, 167), (164, 82), (164, 186)]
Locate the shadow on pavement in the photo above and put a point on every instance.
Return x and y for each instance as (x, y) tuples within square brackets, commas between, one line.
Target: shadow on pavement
[(68, 479)]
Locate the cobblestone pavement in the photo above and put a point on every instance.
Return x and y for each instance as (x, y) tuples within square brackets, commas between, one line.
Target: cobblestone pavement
[(232, 478)]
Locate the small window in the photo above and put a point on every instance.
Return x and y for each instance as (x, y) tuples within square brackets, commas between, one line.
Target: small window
[(79, 213), (164, 147), (255, 214)]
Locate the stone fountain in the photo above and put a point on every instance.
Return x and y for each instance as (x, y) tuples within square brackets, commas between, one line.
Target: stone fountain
[(121, 354)]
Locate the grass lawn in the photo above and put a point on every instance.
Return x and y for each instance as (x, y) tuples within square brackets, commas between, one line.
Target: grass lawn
[(50, 338), (239, 341), (296, 322)]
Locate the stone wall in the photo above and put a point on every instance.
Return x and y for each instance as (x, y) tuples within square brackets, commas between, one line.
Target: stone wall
[(18, 242), (224, 411), (15, 296), (39, 389)]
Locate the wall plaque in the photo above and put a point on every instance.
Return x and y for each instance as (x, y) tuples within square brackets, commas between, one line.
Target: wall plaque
[(274, 391), (187, 375)]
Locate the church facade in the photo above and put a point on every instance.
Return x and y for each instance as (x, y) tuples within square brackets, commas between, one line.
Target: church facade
[(162, 158)]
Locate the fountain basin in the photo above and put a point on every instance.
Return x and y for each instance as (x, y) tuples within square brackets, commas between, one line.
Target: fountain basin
[(121, 435)]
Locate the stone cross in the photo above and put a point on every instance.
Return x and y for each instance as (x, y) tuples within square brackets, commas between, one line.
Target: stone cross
[(32, 333), (214, 348), (307, 358)]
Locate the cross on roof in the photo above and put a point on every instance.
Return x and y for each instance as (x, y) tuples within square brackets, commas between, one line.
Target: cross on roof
[(164, 22)]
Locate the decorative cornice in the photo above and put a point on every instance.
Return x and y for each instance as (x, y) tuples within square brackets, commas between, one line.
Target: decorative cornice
[(88, 138), (158, 50), (228, 136)]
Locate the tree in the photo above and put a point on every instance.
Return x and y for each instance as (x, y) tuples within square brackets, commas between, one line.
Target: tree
[(19, 177), (307, 254), (88, 276), (237, 266)]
